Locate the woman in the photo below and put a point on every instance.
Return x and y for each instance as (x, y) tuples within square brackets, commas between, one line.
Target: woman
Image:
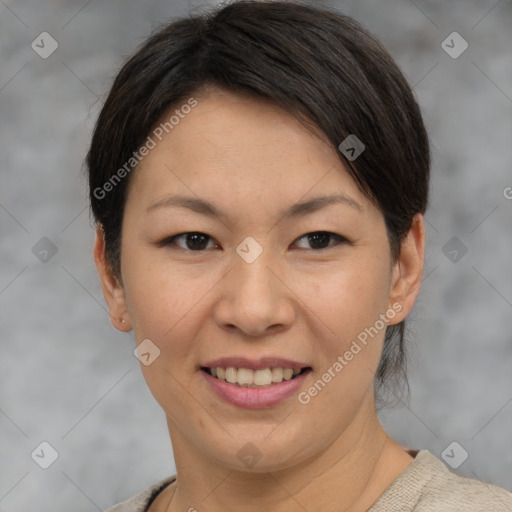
[(259, 176)]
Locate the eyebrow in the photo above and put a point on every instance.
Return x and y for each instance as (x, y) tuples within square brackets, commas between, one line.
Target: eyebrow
[(296, 210)]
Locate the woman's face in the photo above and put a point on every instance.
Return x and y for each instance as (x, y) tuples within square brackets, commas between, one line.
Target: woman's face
[(251, 284)]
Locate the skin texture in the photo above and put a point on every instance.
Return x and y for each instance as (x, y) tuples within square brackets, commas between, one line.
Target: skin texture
[(253, 161)]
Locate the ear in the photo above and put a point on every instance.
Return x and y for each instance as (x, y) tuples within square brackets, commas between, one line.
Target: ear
[(113, 291), (407, 272)]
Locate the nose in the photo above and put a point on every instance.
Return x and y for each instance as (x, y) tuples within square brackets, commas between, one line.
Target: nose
[(255, 298)]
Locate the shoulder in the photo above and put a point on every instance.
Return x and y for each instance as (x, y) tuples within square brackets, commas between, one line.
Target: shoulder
[(140, 501), (449, 491), (427, 486)]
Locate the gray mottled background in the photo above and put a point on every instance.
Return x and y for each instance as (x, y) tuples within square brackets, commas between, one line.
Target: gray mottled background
[(69, 379)]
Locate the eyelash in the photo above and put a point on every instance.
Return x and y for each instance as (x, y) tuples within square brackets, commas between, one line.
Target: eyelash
[(171, 240)]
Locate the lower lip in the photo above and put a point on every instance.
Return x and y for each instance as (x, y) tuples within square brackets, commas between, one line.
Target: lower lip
[(255, 398)]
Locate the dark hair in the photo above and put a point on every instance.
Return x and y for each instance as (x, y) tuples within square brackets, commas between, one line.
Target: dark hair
[(321, 66)]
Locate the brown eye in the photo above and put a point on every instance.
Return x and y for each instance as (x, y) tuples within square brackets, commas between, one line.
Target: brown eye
[(194, 241), (319, 240)]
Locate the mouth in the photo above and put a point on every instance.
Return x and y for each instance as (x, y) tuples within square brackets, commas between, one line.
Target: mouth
[(267, 384), (260, 378)]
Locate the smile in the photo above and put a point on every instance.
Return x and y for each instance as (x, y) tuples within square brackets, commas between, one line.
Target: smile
[(246, 377), (245, 392)]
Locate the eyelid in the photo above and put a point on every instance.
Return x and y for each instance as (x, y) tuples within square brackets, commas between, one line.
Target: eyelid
[(170, 240), (340, 239)]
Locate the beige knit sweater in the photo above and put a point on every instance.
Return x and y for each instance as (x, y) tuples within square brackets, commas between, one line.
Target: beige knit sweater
[(426, 485)]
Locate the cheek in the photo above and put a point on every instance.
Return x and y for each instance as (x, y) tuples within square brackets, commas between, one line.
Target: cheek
[(349, 298), (166, 303), (161, 301), (349, 304), (158, 294), (163, 306)]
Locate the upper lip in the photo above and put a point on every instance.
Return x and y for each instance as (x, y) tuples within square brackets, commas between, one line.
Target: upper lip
[(259, 364)]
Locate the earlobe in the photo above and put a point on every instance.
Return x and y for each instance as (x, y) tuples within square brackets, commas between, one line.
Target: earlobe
[(113, 291), (408, 270)]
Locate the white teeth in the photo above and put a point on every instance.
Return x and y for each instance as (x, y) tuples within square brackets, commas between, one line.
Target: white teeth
[(277, 374), (262, 377), (231, 375), (254, 378), (245, 376), (287, 373)]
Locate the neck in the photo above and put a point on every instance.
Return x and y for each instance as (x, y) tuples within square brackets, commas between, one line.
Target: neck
[(349, 475)]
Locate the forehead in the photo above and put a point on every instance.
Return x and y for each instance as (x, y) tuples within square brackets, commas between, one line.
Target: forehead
[(240, 148)]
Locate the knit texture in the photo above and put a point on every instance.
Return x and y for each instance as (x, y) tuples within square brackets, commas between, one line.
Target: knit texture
[(426, 485)]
